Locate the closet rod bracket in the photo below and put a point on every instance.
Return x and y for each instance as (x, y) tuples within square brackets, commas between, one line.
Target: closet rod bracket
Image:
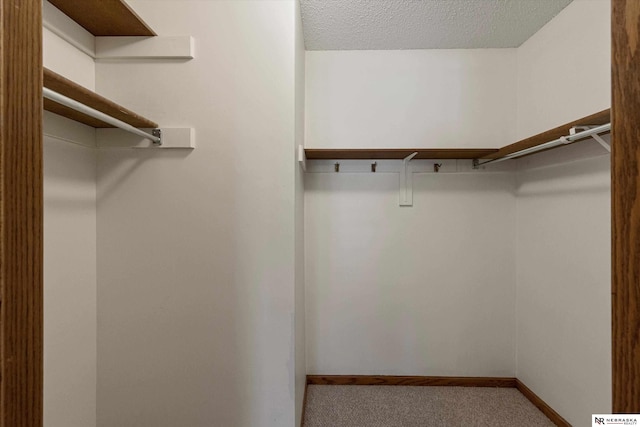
[(158, 134), (595, 136)]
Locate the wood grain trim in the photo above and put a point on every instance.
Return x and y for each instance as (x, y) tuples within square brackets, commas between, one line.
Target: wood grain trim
[(542, 405), (81, 94), (625, 198), (105, 17), (21, 213), (599, 118), (390, 153), (411, 380)]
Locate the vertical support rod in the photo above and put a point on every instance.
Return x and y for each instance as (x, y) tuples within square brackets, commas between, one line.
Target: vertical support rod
[(625, 197)]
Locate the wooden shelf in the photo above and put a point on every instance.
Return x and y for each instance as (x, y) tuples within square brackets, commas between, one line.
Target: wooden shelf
[(600, 118), (104, 17), (78, 93), (400, 153)]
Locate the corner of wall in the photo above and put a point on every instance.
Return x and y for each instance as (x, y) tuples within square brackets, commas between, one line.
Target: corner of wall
[(562, 268), (300, 314), (564, 68)]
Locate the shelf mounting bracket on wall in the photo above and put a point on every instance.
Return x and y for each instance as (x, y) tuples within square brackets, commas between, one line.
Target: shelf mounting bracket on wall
[(302, 158), (602, 142), (598, 138), (406, 181)]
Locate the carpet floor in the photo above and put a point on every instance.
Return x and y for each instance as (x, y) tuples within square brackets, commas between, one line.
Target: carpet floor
[(404, 406)]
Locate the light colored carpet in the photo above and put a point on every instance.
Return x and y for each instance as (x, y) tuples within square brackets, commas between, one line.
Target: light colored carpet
[(404, 406)]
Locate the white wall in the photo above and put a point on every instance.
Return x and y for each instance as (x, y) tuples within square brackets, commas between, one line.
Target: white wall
[(70, 284), (411, 98), (564, 70), (563, 285), (196, 266), (59, 56), (426, 290), (69, 250), (300, 344), (62, 55), (563, 217)]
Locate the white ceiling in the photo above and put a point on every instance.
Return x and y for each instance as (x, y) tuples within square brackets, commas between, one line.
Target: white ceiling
[(423, 24)]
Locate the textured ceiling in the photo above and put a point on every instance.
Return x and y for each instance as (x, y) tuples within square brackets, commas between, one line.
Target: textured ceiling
[(423, 24)]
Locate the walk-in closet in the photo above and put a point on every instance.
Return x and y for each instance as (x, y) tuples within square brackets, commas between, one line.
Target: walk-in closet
[(311, 213)]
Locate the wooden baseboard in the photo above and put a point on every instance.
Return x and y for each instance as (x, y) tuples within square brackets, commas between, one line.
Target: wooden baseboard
[(411, 380), (542, 405)]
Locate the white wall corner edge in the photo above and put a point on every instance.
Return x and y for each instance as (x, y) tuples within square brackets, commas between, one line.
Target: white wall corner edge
[(67, 29), (159, 47), (172, 138)]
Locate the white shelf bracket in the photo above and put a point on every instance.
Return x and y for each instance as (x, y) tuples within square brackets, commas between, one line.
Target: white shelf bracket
[(302, 158), (602, 142), (595, 136), (406, 182), (171, 138)]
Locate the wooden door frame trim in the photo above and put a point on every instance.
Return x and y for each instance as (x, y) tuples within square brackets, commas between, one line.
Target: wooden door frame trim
[(625, 205), (21, 213)]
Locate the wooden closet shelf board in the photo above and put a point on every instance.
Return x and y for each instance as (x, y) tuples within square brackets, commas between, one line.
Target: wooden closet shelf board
[(601, 118), (76, 92), (391, 153), (105, 17)]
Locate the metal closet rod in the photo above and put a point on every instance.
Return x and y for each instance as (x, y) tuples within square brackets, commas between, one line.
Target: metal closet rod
[(84, 109), (560, 141)]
